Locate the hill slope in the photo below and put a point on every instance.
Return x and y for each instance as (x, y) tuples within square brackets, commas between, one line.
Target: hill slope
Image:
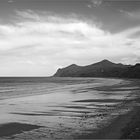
[(104, 68)]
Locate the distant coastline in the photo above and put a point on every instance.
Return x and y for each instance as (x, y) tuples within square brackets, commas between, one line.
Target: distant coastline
[(104, 68)]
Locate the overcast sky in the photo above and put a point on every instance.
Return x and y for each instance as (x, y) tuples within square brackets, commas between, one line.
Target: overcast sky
[(39, 36)]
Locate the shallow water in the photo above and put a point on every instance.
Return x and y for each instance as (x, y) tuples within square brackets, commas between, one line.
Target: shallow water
[(64, 107)]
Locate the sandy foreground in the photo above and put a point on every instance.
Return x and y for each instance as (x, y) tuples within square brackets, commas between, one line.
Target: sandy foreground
[(75, 112)]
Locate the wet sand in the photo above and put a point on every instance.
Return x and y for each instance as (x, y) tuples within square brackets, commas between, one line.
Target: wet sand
[(125, 126), (116, 129), (132, 128), (106, 109), (10, 129)]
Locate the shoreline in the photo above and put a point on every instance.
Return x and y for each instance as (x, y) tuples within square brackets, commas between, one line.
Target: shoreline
[(57, 88)]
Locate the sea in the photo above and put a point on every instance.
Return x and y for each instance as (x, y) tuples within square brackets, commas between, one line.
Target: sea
[(64, 107)]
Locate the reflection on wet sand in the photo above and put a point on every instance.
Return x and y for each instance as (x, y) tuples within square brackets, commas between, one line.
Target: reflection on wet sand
[(15, 128)]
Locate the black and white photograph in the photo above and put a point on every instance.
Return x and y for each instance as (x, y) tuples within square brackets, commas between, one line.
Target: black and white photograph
[(69, 69)]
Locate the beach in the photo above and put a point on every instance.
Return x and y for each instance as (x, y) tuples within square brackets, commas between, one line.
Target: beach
[(69, 108)]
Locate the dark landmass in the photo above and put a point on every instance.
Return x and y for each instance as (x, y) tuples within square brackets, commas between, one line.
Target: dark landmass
[(104, 68), (13, 128)]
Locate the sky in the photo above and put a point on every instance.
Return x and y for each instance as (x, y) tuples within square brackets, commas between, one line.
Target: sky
[(39, 36)]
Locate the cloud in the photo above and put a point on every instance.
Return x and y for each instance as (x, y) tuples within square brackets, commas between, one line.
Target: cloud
[(10, 1), (96, 3), (134, 15), (130, 33), (40, 43), (89, 6)]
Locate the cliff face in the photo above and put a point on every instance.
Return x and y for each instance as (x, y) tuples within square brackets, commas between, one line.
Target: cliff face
[(70, 71), (104, 68)]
